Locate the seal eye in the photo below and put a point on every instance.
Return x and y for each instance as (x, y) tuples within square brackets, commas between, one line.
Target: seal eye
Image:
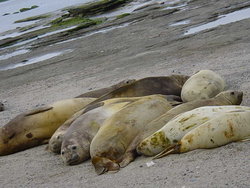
[(62, 153), (232, 93), (73, 147)]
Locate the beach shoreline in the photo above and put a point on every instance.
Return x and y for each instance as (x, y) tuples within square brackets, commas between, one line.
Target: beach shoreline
[(147, 46)]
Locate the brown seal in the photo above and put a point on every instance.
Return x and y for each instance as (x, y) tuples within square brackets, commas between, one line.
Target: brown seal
[(165, 85), (37, 126), (115, 142), (99, 92)]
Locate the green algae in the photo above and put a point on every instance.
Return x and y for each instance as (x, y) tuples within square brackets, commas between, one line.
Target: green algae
[(33, 18), (122, 15), (26, 9), (96, 7)]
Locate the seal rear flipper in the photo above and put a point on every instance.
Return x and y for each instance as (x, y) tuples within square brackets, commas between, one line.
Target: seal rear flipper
[(169, 150), (103, 165), (130, 153)]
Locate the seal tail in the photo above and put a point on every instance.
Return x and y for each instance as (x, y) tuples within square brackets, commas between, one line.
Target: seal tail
[(103, 165), (170, 150)]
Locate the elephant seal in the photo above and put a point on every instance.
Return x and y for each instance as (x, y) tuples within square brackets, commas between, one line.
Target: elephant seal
[(55, 141), (114, 144), (175, 129), (1, 107), (99, 92), (37, 126), (202, 85), (77, 139), (149, 145), (165, 85), (222, 129)]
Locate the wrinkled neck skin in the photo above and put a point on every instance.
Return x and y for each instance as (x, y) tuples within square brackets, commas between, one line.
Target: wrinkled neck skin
[(225, 100)]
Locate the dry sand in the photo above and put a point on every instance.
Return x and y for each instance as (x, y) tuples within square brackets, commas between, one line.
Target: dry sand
[(147, 47)]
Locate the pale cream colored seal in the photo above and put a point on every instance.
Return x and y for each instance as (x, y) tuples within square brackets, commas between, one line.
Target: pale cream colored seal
[(155, 143), (221, 129), (202, 85)]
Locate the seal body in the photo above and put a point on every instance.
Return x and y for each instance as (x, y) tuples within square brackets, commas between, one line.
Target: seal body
[(77, 139), (99, 92), (114, 144), (224, 128), (202, 85), (55, 141), (37, 126), (152, 145), (175, 129), (165, 85)]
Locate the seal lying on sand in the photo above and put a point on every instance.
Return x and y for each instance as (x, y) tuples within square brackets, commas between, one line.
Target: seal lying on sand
[(77, 139), (55, 141), (57, 138), (149, 146), (222, 129), (115, 142), (175, 129), (202, 85), (165, 85), (99, 92), (1, 107), (37, 126)]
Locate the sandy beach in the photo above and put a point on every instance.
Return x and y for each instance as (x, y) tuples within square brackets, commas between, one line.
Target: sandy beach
[(149, 42)]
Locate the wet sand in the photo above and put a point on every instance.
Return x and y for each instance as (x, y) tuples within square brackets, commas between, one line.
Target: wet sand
[(148, 46)]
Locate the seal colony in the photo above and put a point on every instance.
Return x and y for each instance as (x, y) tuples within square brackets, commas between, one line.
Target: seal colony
[(153, 116)]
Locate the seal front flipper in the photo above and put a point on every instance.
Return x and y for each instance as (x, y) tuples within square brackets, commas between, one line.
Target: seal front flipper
[(130, 153), (103, 165), (38, 110), (127, 158)]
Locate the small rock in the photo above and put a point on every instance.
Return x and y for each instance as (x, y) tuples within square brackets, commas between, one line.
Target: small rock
[(149, 164), (1, 107)]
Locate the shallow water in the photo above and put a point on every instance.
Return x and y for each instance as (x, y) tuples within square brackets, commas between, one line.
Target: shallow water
[(15, 34), (34, 60), (183, 22), (45, 6), (223, 20), (104, 30), (15, 53)]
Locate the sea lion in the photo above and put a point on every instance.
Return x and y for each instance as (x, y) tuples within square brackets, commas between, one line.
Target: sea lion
[(99, 92), (57, 138), (202, 85), (149, 145), (165, 85), (115, 142), (222, 129), (1, 107), (37, 126)]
